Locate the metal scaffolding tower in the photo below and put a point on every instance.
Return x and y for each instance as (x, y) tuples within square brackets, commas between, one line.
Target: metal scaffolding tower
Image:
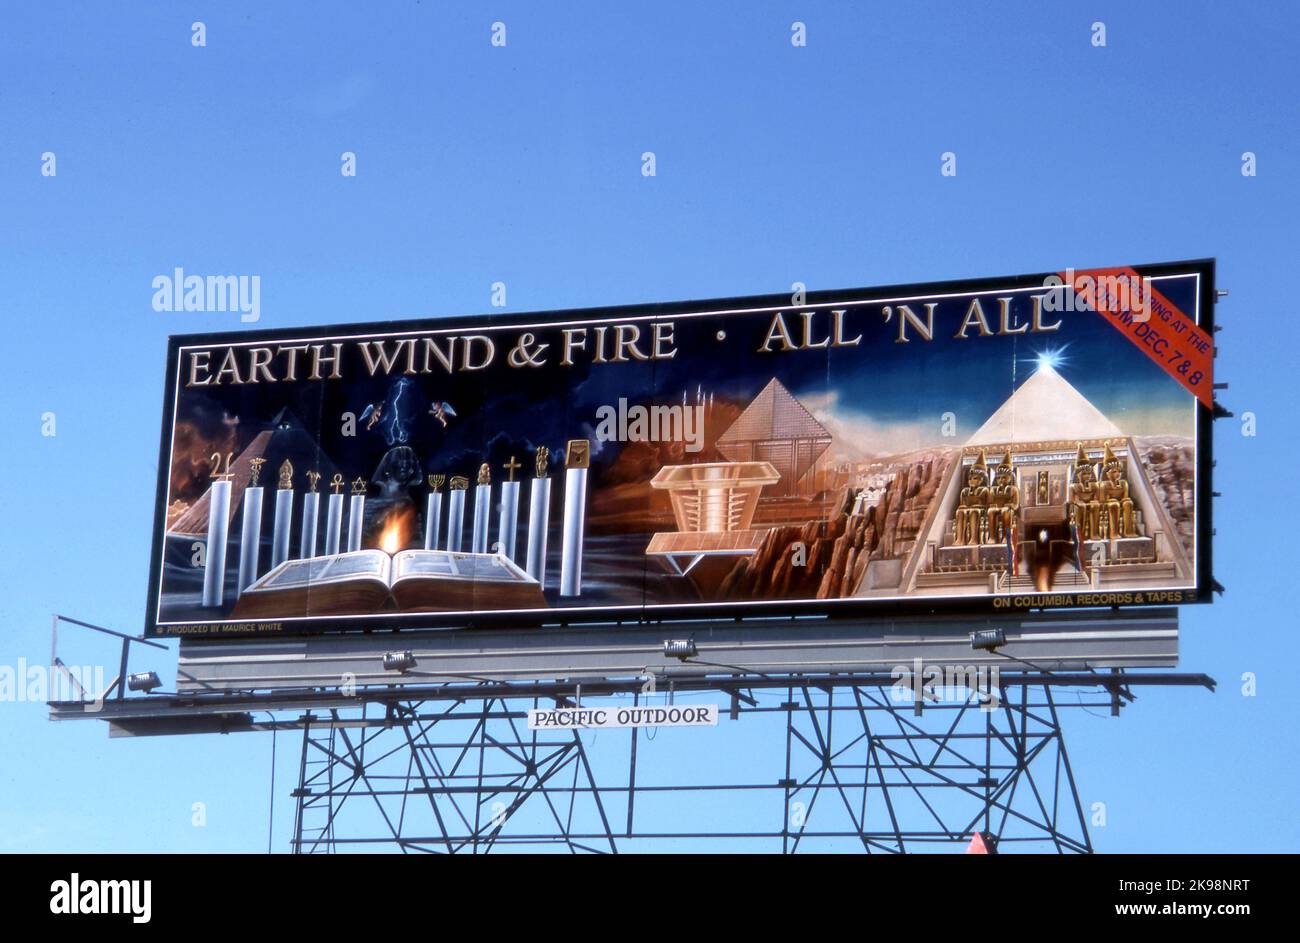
[(800, 761), (860, 771)]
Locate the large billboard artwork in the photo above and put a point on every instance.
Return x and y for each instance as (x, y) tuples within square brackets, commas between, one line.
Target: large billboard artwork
[(1015, 443)]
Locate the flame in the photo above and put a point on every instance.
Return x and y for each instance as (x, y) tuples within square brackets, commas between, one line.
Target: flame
[(397, 530)]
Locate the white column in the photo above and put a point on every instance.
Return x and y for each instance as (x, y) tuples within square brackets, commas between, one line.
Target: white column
[(310, 512), (575, 513), (333, 524), (456, 514), (539, 521), (280, 528), (482, 505), (214, 555), (508, 519), (356, 518), (250, 538), (432, 520)]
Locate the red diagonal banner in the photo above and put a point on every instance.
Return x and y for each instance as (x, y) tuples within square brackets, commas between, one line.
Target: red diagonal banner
[(1146, 317)]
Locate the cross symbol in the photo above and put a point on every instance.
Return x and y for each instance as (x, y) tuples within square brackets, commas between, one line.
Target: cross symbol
[(511, 466)]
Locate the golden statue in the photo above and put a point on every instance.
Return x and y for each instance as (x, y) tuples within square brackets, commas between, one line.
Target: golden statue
[(484, 474), (542, 461), (1004, 501), (286, 475), (257, 464), (1085, 497), (577, 454), (312, 478), (973, 504), (1116, 505)]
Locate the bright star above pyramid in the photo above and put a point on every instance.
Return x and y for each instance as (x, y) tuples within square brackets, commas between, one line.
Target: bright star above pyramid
[(1051, 357)]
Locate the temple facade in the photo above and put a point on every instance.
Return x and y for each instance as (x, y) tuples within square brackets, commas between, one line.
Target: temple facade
[(1047, 494)]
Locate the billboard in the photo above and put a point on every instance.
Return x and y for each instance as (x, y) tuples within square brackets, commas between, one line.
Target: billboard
[(1019, 443)]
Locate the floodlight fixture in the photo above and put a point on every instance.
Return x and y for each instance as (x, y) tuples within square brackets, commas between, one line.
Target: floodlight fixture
[(145, 681), (399, 661), (680, 648), (988, 639)]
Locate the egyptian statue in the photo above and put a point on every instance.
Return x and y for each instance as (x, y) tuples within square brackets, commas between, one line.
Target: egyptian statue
[(1085, 497), (973, 503), (1004, 500), (1116, 505)]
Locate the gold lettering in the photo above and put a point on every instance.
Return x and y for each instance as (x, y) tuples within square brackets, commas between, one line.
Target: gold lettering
[(446, 358), (1005, 318), (1039, 326), (777, 330), (837, 331), (974, 317), (625, 343), (194, 368), (259, 362), (291, 368), (575, 338), (317, 358)]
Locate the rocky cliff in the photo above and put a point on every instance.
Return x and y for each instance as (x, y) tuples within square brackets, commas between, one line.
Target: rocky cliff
[(1171, 467), (827, 559)]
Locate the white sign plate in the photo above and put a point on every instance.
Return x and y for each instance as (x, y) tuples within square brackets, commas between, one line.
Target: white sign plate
[(599, 718)]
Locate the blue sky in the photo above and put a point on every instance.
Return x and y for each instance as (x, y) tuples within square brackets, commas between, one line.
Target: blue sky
[(522, 164)]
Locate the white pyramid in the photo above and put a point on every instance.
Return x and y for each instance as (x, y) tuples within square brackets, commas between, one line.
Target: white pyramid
[(1046, 408)]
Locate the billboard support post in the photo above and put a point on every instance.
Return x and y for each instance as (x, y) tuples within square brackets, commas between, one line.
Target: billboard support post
[(453, 767), (860, 772)]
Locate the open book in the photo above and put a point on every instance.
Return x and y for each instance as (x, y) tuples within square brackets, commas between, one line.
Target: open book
[(366, 582)]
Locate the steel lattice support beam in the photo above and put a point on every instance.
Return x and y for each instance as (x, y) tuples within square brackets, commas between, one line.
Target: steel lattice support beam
[(861, 770)]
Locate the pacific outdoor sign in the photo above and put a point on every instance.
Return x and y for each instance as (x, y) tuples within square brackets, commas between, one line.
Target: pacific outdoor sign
[(641, 715), (1012, 443)]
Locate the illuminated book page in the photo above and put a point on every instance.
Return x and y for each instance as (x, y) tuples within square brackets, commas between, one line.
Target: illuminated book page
[(435, 563), (319, 570)]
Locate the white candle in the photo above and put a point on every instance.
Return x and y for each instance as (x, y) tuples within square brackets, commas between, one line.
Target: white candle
[(214, 556)]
